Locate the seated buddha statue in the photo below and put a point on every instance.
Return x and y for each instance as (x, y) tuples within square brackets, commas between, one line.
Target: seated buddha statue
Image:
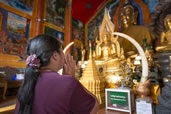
[(166, 35), (105, 49), (128, 21)]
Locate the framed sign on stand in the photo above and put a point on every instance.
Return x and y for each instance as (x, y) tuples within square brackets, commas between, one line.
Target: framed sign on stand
[(120, 99)]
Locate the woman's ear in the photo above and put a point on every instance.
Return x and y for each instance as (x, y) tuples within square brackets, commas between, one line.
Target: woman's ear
[(55, 56)]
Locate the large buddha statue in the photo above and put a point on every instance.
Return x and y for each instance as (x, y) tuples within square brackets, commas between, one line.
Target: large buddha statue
[(128, 21)]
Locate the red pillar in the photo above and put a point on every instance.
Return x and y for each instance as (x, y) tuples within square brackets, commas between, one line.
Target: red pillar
[(38, 17), (68, 23)]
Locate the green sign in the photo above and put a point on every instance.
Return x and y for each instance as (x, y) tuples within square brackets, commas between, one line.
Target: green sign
[(118, 98)]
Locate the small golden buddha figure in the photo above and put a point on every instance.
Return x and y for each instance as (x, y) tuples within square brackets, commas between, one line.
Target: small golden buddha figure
[(128, 20), (98, 48), (82, 53), (148, 55), (166, 35), (130, 64), (105, 49)]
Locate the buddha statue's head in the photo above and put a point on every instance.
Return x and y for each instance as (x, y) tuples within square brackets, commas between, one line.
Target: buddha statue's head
[(167, 22), (127, 16), (105, 38)]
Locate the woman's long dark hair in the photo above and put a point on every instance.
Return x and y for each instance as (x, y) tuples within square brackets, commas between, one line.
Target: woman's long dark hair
[(43, 46)]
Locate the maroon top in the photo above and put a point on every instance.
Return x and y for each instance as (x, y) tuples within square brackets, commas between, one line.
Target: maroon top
[(55, 94)]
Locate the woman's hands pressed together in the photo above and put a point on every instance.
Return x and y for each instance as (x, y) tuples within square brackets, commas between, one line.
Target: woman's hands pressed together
[(69, 65)]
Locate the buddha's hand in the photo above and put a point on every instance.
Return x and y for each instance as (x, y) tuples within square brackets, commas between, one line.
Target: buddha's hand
[(69, 65)]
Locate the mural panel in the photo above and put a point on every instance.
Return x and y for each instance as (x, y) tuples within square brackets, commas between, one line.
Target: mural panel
[(14, 33), (23, 5), (55, 12)]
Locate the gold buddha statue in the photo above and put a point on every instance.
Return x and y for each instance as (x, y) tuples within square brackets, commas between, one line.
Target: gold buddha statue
[(166, 35), (105, 49), (109, 54), (128, 20), (82, 53)]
